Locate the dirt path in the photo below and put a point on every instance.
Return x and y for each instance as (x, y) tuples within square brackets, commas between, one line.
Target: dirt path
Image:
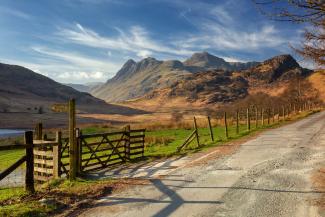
[(267, 176)]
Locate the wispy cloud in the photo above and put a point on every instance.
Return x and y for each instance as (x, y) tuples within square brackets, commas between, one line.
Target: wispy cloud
[(68, 67), (14, 12), (136, 40), (225, 38), (77, 59), (220, 28)]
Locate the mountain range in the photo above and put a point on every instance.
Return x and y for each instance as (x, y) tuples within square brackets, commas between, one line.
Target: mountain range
[(203, 77)]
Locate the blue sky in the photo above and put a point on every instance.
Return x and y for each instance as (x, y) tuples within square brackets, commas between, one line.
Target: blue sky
[(79, 41)]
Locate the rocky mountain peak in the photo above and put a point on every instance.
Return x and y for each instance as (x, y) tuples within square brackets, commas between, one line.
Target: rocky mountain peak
[(173, 64), (127, 69), (285, 61), (204, 59), (147, 63), (281, 67)]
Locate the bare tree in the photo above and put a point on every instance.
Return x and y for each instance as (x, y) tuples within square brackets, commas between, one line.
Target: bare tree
[(301, 11)]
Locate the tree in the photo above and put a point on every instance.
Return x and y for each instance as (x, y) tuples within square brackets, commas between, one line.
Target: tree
[(301, 11)]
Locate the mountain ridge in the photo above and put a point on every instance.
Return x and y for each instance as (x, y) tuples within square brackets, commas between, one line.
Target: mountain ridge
[(22, 89), (136, 79), (271, 76)]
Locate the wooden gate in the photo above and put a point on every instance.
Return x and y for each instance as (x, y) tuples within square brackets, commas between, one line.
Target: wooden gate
[(107, 149), (51, 158)]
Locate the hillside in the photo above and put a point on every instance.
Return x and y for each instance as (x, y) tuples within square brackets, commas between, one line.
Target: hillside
[(205, 88), (317, 81), (23, 90), (271, 77), (136, 79), (203, 78), (278, 68)]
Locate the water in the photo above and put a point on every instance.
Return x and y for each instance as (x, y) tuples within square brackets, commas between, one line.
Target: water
[(11, 132)]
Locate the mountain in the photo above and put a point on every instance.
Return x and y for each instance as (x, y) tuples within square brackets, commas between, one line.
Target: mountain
[(204, 87), (278, 68), (205, 61), (136, 79), (23, 90), (271, 77), (87, 87)]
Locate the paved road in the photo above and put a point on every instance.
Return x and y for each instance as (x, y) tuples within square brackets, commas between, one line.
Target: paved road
[(267, 176)]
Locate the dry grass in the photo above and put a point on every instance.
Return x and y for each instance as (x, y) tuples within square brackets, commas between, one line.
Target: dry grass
[(317, 80)]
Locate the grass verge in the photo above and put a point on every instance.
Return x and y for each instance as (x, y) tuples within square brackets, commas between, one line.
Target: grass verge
[(57, 196)]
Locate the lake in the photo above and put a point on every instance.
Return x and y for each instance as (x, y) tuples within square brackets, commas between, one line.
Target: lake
[(11, 132)]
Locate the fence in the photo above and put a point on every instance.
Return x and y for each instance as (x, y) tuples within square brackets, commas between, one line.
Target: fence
[(47, 158), (253, 117), (27, 158), (108, 149)]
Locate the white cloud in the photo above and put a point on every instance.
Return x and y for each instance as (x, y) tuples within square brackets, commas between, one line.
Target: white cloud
[(68, 67), (78, 60), (233, 59), (83, 76), (218, 28), (135, 40), (144, 53), (221, 38)]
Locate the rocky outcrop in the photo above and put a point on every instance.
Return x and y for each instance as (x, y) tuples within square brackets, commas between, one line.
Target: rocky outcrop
[(278, 68)]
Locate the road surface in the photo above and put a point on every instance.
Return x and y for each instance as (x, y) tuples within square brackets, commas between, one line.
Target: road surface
[(269, 175)]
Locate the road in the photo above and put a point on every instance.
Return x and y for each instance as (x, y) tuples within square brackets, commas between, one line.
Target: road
[(269, 175)]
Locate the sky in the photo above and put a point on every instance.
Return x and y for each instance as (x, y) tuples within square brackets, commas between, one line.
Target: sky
[(81, 41)]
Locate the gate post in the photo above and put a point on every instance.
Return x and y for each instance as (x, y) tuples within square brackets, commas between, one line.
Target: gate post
[(57, 156), (72, 140), (79, 148), (127, 142), (29, 177), (39, 131)]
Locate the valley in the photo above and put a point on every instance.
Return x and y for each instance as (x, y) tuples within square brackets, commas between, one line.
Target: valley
[(152, 90)]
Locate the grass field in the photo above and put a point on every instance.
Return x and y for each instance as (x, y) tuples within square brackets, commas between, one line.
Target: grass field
[(164, 142), (159, 143)]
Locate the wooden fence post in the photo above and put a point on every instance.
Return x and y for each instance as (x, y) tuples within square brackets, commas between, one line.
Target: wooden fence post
[(57, 156), (196, 132), (256, 117), (226, 126), (262, 116), (39, 131), (273, 115), (73, 149), (237, 122), (283, 113), (78, 155), (210, 128), (127, 142), (29, 176), (248, 120)]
